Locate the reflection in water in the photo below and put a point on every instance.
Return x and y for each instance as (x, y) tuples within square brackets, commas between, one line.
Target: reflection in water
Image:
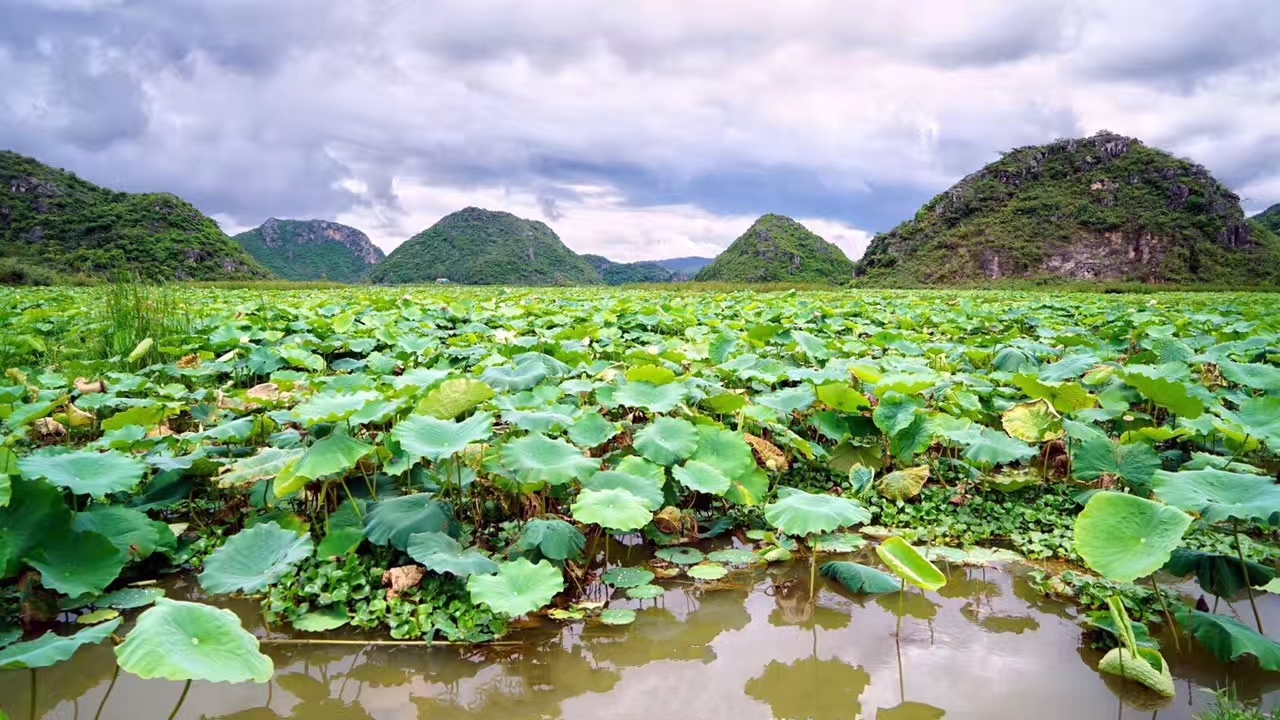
[(757, 646)]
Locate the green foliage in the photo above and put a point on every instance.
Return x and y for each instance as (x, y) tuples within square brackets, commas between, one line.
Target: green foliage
[(311, 250), (615, 273), (483, 247), (62, 224), (1228, 706), (778, 249)]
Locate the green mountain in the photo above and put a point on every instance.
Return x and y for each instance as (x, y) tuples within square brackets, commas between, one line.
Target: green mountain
[(778, 249), (615, 273), (684, 268), (1269, 219), (1105, 207), (311, 250), (52, 220), (484, 247)]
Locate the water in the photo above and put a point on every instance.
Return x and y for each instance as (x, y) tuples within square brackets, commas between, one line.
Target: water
[(985, 647)]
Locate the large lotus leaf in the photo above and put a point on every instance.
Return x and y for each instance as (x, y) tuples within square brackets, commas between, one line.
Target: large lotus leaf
[(1261, 419), (518, 588), (553, 539), (1220, 575), (802, 513), (903, 484), (654, 398), (1065, 397), (1218, 495), (1140, 667), (77, 563), (789, 400), (540, 459), (1252, 375), (520, 377), (442, 554), (1229, 639), (701, 477), (907, 563), (336, 454), (143, 416), (344, 531), (667, 441), (626, 577), (1169, 394), (86, 472), (266, 463), (1123, 537), (725, 450), (612, 509), (895, 413), (188, 641), (254, 559), (424, 436), (860, 578), (51, 649), (1133, 463), (1033, 422), (35, 512), (392, 521), (645, 487), (749, 489), (333, 407), (592, 431), (454, 397), (841, 397), (988, 447), (131, 531)]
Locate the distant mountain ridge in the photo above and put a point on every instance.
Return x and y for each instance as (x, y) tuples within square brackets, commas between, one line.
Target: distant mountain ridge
[(615, 273), (777, 249), (1269, 219), (474, 246), (686, 267), (311, 250), (56, 221)]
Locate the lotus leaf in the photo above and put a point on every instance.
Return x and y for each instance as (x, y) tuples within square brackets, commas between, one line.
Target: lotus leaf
[(907, 563), (424, 436), (667, 441), (680, 555), (626, 577), (85, 472), (612, 509), (1260, 418), (652, 374), (654, 398), (553, 539), (454, 397), (988, 447), (860, 578), (838, 542), (518, 588), (802, 513), (902, 484), (1218, 495), (1229, 639), (1132, 661), (734, 556), (841, 397), (1169, 394), (254, 559), (540, 459), (333, 407), (1123, 537), (442, 554), (132, 532), (617, 616), (130, 598), (644, 487), (706, 571), (645, 592), (392, 521), (34, 513), (336, 454), (701, 477), (77, 563), (1220, 575), (1033, 422), (1135, 464), (266, 463), (1065, 397), (1252, 375), (592, 430), (188, 641), (50, 648)]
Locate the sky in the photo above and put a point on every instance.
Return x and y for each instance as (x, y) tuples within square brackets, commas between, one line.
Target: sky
[(637, 129)]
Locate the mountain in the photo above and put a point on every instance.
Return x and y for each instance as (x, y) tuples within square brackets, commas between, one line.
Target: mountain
[(684, 267), (615, 273), (778, 249), (52, 220), (484, 247), (1269, 219), (311, 250), (1106, 207)]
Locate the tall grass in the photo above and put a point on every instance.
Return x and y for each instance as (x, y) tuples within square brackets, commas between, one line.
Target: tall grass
[(131, 312), (1226, 706)]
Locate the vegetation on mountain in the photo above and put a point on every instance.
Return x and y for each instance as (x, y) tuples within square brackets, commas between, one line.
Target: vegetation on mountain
[(684, 268), (1269, 219), (54, 222), (778, 249), (484, 247), (615, 273), (311, 250), (1106, 207)]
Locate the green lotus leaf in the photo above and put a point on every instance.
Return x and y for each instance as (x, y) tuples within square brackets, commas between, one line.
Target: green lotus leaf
[(550, 419), (636, 465), (553, 539), (1135, 464), (646, 592), (424, 436), (652, 374), (701, 477), (802, 513), (902, 484), (454, 397), (789, 400), (618, 616), (729, 453), (656, 399), (1218, 495), (130, 598), (1229, 639), (626, 577), (330, 618), (1144, 665), (144, 416), (336, 454), (612, 509), (77, 563), (1065, 397), (1169, 394), (188, 641), (86, 472), (1123, 537), (266, 463), (895, 413), (392, 521), (667, 441), (1220, 575), (592, 431), (1033, 422), (518, 588), (254, 559), (35, 512), (734, 556), (440, 553), (860, 578), (907, 563), (842, 398), (726, 403), (706, 571), (680, 555), (344, 531), (539, 459), (520, 377), (332, 407), (838, 542), (1252, 375), (988, 447), (812, 346), (98, 616), (132, 532), (1260, 417), (51, 649)]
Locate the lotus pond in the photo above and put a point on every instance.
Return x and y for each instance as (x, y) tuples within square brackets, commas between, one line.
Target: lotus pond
[(553, 503)]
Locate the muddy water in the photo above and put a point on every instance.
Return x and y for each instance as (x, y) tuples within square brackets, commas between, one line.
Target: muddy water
[(986, 647)]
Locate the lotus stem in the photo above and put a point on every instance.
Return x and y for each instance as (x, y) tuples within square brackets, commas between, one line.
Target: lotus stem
[(1177, 644), (901, 594), (354, 505), (1244, 569), (181, 698), (813, 571), (114, 674)]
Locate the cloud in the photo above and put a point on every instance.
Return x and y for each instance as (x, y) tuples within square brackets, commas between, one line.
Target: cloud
[(634, 128)]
